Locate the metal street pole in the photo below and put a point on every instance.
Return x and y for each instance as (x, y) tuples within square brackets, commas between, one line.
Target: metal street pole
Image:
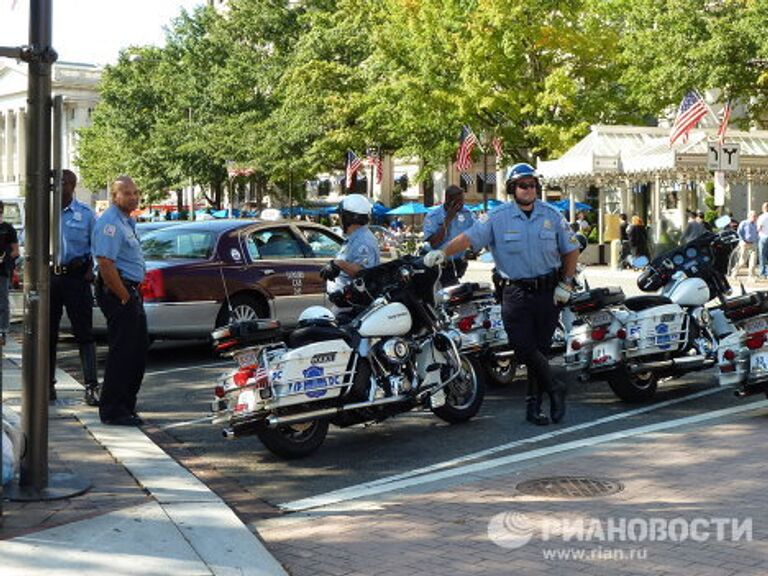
[(34, 483)]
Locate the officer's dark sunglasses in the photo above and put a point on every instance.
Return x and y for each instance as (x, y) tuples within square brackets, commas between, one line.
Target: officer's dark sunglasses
[(525, 185)]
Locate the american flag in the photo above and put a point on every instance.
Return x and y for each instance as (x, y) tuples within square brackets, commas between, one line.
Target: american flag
[(353, 165), (724, 118), (692, 110), (498, 147), (375, 160), (467, 142)]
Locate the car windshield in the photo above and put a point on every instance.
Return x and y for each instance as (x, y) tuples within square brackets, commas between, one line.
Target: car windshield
[(174, 243)]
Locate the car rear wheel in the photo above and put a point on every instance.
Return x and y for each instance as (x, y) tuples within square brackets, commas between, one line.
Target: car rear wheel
[(241, 307)]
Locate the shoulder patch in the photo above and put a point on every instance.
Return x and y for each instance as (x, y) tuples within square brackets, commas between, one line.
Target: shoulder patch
[(109, 230)]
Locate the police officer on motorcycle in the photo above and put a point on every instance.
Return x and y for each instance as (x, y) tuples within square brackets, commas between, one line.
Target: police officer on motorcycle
[(359, 250), (536, 253)]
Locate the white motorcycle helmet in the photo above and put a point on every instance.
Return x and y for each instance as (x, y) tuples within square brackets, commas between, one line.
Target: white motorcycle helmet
[(355, 209), (316, 315)]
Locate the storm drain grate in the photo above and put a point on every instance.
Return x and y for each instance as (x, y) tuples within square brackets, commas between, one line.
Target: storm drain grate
[(570, 487)]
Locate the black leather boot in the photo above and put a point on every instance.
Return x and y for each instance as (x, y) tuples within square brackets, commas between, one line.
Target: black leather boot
[(533, 412), (557, 402), (91, 381)]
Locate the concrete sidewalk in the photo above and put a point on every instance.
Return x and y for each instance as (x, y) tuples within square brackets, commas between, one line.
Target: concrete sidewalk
[(144, 514)]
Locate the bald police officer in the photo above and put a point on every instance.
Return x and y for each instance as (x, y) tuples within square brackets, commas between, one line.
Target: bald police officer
[(71, 285), (360, 250), (120, 271), (443, 225), (536, 254)]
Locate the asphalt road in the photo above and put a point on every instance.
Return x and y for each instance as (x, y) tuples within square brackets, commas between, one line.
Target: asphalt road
[(180, 378)]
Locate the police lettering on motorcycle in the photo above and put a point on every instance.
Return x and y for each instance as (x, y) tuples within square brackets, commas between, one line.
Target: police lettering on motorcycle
[(536, 254)]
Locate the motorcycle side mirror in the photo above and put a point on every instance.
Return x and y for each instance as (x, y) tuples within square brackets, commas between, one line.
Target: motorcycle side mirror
[(640, 261), (723, 221), (486, 257)]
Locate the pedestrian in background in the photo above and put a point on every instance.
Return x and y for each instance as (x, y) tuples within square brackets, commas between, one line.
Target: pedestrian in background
[(536, 253), (9, 251), (71, 281), (638, 237), (748, 239), (693, 229), (762, 240), (443, 225), (120, 266)]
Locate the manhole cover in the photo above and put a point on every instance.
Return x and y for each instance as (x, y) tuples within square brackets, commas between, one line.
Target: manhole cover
[(570, 487)]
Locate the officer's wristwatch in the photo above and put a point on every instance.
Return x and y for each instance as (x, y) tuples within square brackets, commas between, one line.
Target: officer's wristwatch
[(570, 280)]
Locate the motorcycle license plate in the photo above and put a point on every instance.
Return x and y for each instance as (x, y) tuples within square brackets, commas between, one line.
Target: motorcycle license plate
[(247, 358), (600, 318), (756, 325), (605, 353), (759, 361)]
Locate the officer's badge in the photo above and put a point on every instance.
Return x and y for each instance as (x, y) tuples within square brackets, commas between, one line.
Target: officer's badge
[(461, 217), (77, 216), (547, 224), (109, 230)]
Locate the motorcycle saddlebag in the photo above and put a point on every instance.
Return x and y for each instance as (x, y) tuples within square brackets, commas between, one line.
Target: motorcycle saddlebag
[(596, 299), (746, 306)]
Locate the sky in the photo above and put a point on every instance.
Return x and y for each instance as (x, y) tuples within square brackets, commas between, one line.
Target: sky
[(94, 31)]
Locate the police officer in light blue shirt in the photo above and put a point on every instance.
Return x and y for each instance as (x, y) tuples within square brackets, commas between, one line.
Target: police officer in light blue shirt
[(445, 223), (536, 254), (71, 280), (360, 250), (120, 263)]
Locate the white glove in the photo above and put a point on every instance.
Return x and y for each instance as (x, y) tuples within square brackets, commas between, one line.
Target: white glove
[(434, 258), (562, 294)]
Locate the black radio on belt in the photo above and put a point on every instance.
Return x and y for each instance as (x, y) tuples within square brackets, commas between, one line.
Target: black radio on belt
[(76, 266)]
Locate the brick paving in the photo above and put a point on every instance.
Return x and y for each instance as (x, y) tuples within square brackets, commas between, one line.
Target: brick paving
[(713, 471)]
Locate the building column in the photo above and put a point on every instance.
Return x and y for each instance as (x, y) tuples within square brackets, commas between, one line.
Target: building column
[(600, 213), (387, 179), (9, 146), (682, 202), (749, 191), (571, 205), (656, 209), (21, 147)]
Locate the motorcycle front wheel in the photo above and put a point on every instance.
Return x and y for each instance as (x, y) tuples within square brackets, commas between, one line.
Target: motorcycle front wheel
[(632, 388), (294, 440), (464, 395)]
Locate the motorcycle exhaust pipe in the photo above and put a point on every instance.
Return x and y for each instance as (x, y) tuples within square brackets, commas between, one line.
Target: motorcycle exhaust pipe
[(503, 355), (687, 363), (295, 419), (242, 429)]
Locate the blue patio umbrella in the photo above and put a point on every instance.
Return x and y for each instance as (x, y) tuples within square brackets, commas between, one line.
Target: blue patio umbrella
[(220, 214), (380, 209), (410, 209), (563, 205)]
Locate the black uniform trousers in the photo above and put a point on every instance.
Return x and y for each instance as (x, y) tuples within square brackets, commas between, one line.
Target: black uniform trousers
[(530, 318), (71, 292), (127, 355)]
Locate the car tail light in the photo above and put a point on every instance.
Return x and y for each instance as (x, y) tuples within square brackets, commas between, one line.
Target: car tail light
[(756, 340), (729, 355), (621, 333), (153, 286), (219, 391), (576, 345), (487, 324), (466, 323), (598, 334)]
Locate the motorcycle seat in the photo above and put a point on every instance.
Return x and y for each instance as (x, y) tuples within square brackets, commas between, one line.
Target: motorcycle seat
[(317, 333), (638, 303), (466, 292)]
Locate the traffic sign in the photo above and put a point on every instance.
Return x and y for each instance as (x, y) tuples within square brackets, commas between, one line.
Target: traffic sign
[(724, 157)]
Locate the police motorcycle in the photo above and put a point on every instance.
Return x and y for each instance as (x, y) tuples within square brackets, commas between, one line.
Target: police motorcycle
[(743, 354), (396, 355), (474, 310), (632, 343)]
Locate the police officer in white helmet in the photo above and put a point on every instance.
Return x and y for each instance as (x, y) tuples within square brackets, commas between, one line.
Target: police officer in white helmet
[(360, 250)]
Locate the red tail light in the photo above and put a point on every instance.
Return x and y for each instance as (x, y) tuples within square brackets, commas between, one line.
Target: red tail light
[(729, 355), (621, 334), (242, 376), (486, 324), (575, 345), (599, 333), (153, 286), (466, 323), (756, 340), (219, 391)]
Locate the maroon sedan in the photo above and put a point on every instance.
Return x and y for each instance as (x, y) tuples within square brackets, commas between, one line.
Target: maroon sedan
[(201, 274)]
